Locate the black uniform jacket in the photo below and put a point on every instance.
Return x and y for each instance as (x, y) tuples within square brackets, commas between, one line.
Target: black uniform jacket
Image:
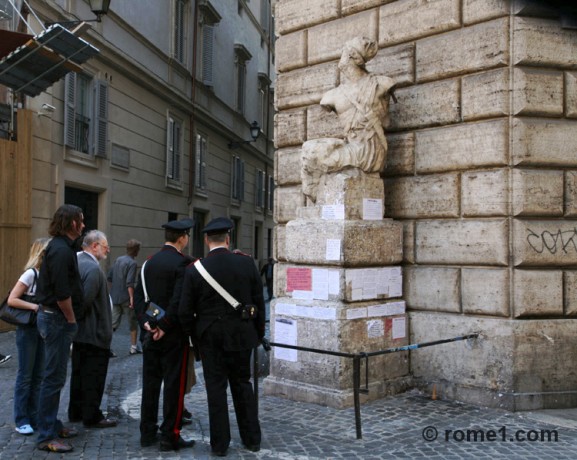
[(201, 305), (161, 274)]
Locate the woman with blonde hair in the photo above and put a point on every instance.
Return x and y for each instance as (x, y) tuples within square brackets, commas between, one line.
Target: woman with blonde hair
[(29, 344)]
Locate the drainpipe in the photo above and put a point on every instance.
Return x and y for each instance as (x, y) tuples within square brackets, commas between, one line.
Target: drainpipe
[(192, 165)]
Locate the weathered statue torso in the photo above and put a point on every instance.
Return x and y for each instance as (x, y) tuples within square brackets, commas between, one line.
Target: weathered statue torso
[(361, 104)]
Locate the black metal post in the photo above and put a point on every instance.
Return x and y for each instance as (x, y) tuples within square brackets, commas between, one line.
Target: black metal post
[(356, 392)]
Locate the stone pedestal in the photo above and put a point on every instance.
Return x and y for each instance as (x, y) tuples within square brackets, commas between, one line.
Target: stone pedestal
[(339, 289)]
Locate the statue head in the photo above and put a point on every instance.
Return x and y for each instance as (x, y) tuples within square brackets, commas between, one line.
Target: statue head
[(359, 50)]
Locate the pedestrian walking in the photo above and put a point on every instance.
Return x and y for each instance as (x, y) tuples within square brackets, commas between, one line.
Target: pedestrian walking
[(226, 335), (59, 293), (122, 279), (165, 348), (29, 344), (91, 346)]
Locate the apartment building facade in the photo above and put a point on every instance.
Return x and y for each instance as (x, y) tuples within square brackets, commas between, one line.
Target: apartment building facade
[(156, 125)]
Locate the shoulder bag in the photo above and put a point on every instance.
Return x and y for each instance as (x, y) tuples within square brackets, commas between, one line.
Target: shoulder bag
[(19, 316), (246, 311)]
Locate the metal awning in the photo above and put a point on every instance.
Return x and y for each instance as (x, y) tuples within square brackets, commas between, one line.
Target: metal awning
[(40, 61)]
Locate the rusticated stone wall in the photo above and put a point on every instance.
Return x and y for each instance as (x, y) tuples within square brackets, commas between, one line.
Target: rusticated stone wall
[(482, 171)]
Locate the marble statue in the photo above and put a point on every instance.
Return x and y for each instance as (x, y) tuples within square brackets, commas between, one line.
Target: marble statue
[(361, 103)]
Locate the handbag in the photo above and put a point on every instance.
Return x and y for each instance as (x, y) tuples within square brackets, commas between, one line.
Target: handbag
[(153, 311), (19, 316)]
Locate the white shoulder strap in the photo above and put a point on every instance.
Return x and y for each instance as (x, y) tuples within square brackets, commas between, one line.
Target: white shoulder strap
[(146, 298), (217, 287)]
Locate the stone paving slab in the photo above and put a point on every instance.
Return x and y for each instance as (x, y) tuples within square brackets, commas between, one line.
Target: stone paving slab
[(392, 428)]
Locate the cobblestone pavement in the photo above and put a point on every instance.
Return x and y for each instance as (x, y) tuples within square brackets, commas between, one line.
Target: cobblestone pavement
[(394, 427)]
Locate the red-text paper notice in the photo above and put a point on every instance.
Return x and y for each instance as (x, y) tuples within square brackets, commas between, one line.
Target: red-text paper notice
[(299, 279)]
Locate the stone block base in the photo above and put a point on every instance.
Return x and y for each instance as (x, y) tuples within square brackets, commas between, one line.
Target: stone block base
[(339, 399), (514, 364), (362, 243)]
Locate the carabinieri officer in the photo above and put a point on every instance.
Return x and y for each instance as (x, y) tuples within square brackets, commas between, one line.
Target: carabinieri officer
[(165, 347), (225, 335)]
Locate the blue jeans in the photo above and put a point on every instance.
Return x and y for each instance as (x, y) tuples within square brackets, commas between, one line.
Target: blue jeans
[(30, 368), (57, 334)]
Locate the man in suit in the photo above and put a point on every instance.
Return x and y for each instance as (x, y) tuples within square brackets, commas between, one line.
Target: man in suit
[(91, 346), (225, 335), (165, 347)]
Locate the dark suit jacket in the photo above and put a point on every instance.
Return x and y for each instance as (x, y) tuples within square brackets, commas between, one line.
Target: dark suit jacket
[(161, 274), (201, 305)]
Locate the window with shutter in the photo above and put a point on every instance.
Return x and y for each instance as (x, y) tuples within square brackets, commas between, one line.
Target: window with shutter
[(237, 181), (101, 119), (173, 150), (179, 30), (207, 53), (260, 189), (270, 192), (200, 163), (86, 114)]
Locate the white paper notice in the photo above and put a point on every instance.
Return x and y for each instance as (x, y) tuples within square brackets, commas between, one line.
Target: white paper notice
[(320, 284), (333, 212), (399, 328), (396, 282), (303, 295), (286, 309), (387, 309), (285, 331), (334, 284), (375, 328), (333, 251), (372, 209), (356, 313)]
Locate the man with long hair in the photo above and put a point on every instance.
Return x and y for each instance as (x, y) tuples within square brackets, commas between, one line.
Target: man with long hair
[(59, 293)]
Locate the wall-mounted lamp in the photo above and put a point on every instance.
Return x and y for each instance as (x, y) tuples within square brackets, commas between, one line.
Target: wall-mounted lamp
[(47, 110), (254, 133), (98, 7)]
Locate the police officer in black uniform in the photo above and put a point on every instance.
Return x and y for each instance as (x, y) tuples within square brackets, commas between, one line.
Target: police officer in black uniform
[(165, 346), (224, 335)]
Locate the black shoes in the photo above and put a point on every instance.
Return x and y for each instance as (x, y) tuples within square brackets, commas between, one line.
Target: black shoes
[(104, 423), (252, 447), (219, 453), (148, 441), (166, 445)]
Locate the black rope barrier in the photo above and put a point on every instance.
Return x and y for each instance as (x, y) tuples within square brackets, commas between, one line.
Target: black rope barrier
[(356, 357)]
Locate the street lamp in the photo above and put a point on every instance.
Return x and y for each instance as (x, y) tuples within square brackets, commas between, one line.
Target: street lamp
[(254, 133), (98, 7)]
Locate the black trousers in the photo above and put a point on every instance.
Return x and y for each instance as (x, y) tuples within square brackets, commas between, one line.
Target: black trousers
[(163, 361), (220, 368), (87, 382)]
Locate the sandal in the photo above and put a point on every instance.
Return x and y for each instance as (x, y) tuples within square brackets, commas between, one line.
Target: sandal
[(68, 433), (55, 445)]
